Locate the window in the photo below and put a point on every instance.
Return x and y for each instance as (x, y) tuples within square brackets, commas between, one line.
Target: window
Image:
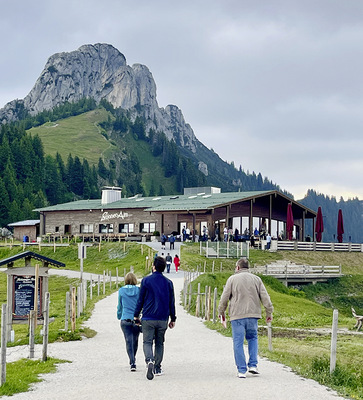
[(126, 228), (147, 227), (67, 229), (106, 228), (86, 228), (57, 229)]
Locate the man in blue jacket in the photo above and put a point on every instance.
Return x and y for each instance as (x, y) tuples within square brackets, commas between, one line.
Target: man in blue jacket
[(157, 303)]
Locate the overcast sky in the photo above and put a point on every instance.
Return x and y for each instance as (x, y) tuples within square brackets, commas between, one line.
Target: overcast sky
[(275, 86)]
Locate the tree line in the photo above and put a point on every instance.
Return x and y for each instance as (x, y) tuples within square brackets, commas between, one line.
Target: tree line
[(31, 179), (352, 210)]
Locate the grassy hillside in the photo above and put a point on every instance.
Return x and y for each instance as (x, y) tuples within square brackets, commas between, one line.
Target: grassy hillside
[(298, 339), (83, 136), (80, 136), (152, 171), (307, 352)]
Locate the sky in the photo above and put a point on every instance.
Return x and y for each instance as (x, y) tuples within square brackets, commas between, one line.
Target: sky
[(274, 86)]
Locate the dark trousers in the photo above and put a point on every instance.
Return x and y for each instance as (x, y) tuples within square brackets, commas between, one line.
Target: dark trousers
[(154, 331), (131, 333)]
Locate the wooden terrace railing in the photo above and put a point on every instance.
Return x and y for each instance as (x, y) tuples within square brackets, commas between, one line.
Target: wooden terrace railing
[(316, 246)]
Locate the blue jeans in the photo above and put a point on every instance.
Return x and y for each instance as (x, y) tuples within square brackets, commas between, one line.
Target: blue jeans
[(131, 333), (154, 331), (241, 329)]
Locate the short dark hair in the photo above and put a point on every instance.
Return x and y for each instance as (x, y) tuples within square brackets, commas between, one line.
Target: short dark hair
[(159, 264)]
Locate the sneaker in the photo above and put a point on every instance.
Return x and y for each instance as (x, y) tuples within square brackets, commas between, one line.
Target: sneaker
[(133, 367), (150, 370), (241, 375), (253, 370), (158, 371)]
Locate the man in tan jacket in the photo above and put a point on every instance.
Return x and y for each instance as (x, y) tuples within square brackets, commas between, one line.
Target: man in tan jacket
[(245, 293)]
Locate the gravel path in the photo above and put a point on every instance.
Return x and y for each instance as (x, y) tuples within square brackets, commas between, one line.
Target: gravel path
[(198, 364)]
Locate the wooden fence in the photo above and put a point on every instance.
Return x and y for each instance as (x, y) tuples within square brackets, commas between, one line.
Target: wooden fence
[(317, 246), (205, 302)]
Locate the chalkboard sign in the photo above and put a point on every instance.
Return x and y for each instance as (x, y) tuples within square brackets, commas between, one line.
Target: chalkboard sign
[(23, 303)]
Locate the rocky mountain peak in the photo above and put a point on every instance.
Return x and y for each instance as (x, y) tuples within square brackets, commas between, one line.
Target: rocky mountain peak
[(100, 71)]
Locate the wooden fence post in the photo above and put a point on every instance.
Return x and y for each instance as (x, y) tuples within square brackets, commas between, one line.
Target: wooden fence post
[(3, 344), (206, 302), (67, 312), (79, 301), (334, 336), (31, 332), (73, 309), (209, 302), (269, 335), (104, 282), (197, 304), (98, 285), (185, 291), (215, 294), (45, 327), (91, 288)]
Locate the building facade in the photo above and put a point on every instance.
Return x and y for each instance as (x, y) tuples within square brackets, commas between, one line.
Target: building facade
[(137, 216)]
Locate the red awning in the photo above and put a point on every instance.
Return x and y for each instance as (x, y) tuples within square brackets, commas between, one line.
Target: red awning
[(319, 226), (289, 222), (340, 227)]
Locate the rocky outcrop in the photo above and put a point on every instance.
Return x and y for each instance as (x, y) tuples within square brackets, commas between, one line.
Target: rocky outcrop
[(203, 168), (100, 72)]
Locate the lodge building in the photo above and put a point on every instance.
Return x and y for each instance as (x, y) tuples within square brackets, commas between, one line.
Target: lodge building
[(139, 217)]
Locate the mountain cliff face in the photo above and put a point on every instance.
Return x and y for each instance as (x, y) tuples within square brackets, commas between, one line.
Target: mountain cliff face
[(100, 72)]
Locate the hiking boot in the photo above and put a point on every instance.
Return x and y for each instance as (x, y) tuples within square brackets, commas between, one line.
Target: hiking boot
[(132, 367), (241, 374), (150, 370), (253, 370)]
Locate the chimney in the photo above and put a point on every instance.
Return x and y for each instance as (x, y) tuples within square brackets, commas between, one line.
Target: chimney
[(110, 194)]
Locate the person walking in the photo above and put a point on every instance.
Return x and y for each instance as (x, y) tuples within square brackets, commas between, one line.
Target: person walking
[(245, 293), (157, 303), (127, 299), (176, 262), (172, 241), (268, 241), (168, 260), (163, 241)]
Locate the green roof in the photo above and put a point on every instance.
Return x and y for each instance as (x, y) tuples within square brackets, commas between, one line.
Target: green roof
[(177, 203), (161, 203)]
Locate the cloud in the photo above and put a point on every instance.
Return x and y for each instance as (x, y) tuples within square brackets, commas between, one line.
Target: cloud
[(273, 86)]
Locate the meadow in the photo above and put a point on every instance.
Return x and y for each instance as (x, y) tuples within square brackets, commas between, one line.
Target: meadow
[(301, 313)]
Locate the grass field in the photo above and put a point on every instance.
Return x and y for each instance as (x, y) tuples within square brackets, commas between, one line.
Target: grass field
[(80, 136), (305, 352), (297, 315)]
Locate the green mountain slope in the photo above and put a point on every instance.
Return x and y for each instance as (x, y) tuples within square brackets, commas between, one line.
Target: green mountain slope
[(83, 136), (80, 136)]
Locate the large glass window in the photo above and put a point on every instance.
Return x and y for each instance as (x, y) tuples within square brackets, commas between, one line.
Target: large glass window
[(106, 228), (126, 228), (86, 228), (147, 227)]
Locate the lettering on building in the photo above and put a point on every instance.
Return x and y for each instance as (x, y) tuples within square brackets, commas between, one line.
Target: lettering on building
[(106, 216)]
